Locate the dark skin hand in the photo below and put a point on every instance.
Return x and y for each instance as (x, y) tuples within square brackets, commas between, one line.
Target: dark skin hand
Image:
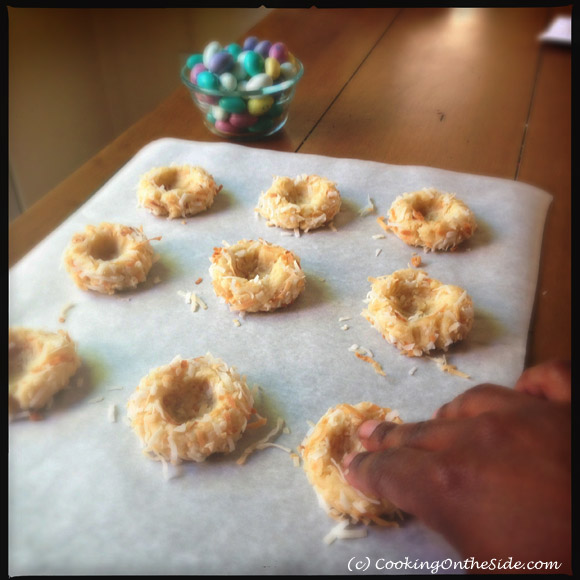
[(491, 471)]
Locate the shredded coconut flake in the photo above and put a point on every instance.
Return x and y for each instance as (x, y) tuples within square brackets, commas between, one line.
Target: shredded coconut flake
[(96, 400), (445, 367), (112, 413), (64, 312), (368, 209), (257, 445)]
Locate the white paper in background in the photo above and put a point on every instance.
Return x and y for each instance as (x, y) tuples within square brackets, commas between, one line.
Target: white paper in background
[(82, 497), (559, 31)]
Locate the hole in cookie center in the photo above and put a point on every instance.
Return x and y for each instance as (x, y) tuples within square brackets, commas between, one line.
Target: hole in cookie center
[(429, 209), (187, 401), (169, 179), (105, 248), (343, 443), (299, 194), (253, 263), (413, 301)]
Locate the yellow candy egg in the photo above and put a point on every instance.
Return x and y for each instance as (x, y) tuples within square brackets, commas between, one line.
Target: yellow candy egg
[(260, 105), (272, 67)]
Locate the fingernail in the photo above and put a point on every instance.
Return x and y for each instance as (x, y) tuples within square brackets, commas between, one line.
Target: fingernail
[(367, 428)]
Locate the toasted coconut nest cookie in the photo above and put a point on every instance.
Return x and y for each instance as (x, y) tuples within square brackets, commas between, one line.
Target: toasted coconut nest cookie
[(324, 448), (306, 202), (109, 257), (177, 191), (41, 364), (189, 409), (417, 313), (254, 275), (432, 219)]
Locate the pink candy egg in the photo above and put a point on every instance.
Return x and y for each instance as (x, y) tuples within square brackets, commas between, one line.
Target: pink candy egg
[(242, 120), (199, 67), (226, 127), (279, 51)]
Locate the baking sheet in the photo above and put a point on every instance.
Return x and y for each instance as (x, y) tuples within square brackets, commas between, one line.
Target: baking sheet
[(82, 497)]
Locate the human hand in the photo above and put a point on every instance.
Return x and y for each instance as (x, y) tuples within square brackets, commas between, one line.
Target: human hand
[(491, 471)]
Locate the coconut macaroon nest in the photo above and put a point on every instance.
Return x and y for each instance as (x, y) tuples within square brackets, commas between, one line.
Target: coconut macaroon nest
[(190, 409), (432, 219), (306, 202), (40, 364), (254, 275), (109, 257), (417, 313), (177, 190), (324, 448)]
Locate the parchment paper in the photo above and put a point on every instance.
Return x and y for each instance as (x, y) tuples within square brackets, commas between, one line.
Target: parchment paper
[(82, 497)]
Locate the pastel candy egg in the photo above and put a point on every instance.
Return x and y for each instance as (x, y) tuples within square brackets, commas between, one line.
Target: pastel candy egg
[(221, 62), (209, 99), (232, 104), (207, 80), (259, 81), (272, 67), (228, 81), (287, 70), (263, 48), (253, 63), (219, 114), (260, 105), (276, 110), (194, 59), (242, 120), (226, 127), (263, 124), (239, 71), (210, 50), (234, 49), (279, 51), (250, 43), (197, 68)]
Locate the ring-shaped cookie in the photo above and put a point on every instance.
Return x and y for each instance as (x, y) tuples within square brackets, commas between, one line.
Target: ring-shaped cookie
[(306, 202), (324, 448), (40, 364), (254, 275), (417, 313), (432, 219), (189, 409), (177, 190), (109, 257)]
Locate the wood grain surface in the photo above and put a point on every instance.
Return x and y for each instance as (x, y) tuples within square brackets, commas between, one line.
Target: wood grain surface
[(464, 89)]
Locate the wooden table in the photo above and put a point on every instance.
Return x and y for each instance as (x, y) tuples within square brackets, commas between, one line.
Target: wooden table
[(464, 89)]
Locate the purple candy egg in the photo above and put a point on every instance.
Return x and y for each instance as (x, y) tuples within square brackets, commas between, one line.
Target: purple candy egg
[(221, 62), (250, 43), (263, 48), (199, 67), (279, 51)]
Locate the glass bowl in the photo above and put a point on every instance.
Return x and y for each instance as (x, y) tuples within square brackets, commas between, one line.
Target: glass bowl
[(242, 114)]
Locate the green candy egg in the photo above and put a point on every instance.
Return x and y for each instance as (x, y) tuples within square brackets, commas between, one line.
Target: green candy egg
[(194, 59), (253, 63), (207, 80), (234, 49), (232, 104), (276, 110), (261, 125)]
